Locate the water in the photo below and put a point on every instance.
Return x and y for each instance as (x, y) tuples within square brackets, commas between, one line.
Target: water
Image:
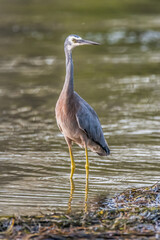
[(120, 79)]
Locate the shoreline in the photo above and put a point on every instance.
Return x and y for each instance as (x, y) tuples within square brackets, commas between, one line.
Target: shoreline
[(134, 213)]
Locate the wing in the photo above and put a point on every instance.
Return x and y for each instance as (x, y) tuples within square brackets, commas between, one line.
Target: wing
[(88, 121)]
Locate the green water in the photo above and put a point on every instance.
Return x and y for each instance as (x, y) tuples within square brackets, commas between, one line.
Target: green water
[(120, 79)]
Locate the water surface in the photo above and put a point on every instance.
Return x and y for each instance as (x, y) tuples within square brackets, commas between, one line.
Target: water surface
[(120, 79)]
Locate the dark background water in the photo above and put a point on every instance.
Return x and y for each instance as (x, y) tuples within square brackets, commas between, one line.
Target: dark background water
[(120, 79)]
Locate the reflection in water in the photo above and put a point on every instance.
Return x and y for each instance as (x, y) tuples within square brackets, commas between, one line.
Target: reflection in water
[(120, 80), (86, 194), (72, 188)]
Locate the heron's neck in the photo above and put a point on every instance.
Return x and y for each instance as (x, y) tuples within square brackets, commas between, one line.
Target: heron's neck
[(68, 84)]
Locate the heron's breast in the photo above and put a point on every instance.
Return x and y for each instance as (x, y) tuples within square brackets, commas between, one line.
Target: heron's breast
[(67, 120)]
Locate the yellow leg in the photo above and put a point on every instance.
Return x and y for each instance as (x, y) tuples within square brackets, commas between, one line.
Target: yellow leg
[(72, 162), (87, 163)]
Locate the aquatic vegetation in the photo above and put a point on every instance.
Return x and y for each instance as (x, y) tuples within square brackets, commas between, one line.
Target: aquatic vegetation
[(135, 213)]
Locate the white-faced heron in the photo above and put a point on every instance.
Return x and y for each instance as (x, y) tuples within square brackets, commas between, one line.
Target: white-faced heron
[(76, 119)]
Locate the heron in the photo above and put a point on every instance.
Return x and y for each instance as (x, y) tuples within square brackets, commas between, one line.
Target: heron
[(76, 119)]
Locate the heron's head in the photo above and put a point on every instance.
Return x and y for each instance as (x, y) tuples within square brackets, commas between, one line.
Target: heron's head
[(73, 41)]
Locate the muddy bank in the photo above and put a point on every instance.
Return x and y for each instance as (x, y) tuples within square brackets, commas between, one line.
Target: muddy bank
[(133, 214)]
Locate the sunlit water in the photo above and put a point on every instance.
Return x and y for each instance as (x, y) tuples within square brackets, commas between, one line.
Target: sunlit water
[(120, 79)]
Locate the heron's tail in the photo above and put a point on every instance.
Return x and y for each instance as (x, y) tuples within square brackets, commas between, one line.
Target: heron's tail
[(98, 148), (105, 151)]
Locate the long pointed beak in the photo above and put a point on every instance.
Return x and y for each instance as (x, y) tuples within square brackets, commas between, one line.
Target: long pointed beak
[(87, 42)]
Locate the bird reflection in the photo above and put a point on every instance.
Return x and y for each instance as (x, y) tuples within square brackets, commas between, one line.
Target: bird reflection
[(86, 191), (72, 188)]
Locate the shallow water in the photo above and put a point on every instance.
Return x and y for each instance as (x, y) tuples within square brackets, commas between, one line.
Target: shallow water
[(120, 79)]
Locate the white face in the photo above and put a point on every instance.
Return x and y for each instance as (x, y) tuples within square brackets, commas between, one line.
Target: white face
[(72, 41)]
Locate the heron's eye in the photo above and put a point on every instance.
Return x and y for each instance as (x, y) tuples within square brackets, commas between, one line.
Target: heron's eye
[(74, 40)]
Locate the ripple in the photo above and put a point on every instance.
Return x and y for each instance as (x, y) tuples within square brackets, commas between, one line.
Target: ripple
[(38, 179), (133, 59), (124, 35), (27, 65)]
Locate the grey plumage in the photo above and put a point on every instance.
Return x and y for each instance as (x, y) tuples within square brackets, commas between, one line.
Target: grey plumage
[(88, 121)]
